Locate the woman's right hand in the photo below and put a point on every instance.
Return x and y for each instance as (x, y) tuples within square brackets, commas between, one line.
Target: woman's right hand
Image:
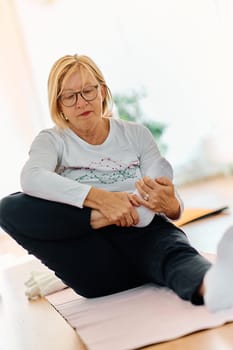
[(117, 207)]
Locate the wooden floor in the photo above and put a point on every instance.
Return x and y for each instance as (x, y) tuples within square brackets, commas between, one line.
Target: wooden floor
[(36, 325)]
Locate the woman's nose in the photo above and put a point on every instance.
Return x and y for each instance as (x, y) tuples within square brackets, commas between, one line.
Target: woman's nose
[(80, 101)]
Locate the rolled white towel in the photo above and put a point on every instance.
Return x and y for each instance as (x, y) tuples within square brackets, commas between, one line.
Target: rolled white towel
[(42, 283)]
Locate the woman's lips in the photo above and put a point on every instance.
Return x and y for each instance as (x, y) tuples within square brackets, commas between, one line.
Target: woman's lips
[(84, 114)]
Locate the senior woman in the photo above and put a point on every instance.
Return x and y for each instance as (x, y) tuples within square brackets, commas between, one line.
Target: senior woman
[(98, 200)]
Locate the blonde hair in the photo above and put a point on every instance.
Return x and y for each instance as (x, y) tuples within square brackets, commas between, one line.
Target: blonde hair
[(60, 72)]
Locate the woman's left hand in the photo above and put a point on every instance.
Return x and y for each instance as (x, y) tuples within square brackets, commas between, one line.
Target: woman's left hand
[(159, 196)]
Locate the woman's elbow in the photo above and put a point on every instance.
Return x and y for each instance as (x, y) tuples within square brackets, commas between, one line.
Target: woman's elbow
[(29, 180)]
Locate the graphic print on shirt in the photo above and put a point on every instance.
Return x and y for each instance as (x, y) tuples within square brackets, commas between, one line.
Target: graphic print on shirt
[(105, 171)]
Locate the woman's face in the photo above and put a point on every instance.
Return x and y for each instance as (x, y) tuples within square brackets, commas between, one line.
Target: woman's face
[(84, 114)]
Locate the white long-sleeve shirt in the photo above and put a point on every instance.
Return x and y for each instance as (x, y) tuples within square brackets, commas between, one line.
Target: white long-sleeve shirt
[(62, 167)]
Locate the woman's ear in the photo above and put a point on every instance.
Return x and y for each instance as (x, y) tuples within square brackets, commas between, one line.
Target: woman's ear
[(103, 91), (59, 107), (63, 116)]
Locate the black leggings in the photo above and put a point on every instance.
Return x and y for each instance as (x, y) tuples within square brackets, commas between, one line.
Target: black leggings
[(104, 261)]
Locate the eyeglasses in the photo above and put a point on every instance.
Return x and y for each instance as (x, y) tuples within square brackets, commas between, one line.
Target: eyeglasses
[(89, 93)]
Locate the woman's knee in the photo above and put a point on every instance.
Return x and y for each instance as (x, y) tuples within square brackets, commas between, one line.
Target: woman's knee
[(15, 213), (7, 209)]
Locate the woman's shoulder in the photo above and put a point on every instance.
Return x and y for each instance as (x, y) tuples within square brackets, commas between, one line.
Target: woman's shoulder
[(53, 133), (50, 137), (133, 130), (127, 125)]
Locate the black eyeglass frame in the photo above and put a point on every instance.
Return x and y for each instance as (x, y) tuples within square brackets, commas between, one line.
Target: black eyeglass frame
[(76, 93)]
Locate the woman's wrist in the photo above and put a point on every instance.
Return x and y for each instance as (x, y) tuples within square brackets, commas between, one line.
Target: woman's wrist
[(98, 220), (173, 212), (94, 198)]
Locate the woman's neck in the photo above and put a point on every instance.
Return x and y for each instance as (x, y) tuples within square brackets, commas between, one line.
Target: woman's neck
[(95, 136)]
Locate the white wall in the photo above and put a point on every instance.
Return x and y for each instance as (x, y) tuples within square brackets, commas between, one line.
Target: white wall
[(179, 51), (19, 107)]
